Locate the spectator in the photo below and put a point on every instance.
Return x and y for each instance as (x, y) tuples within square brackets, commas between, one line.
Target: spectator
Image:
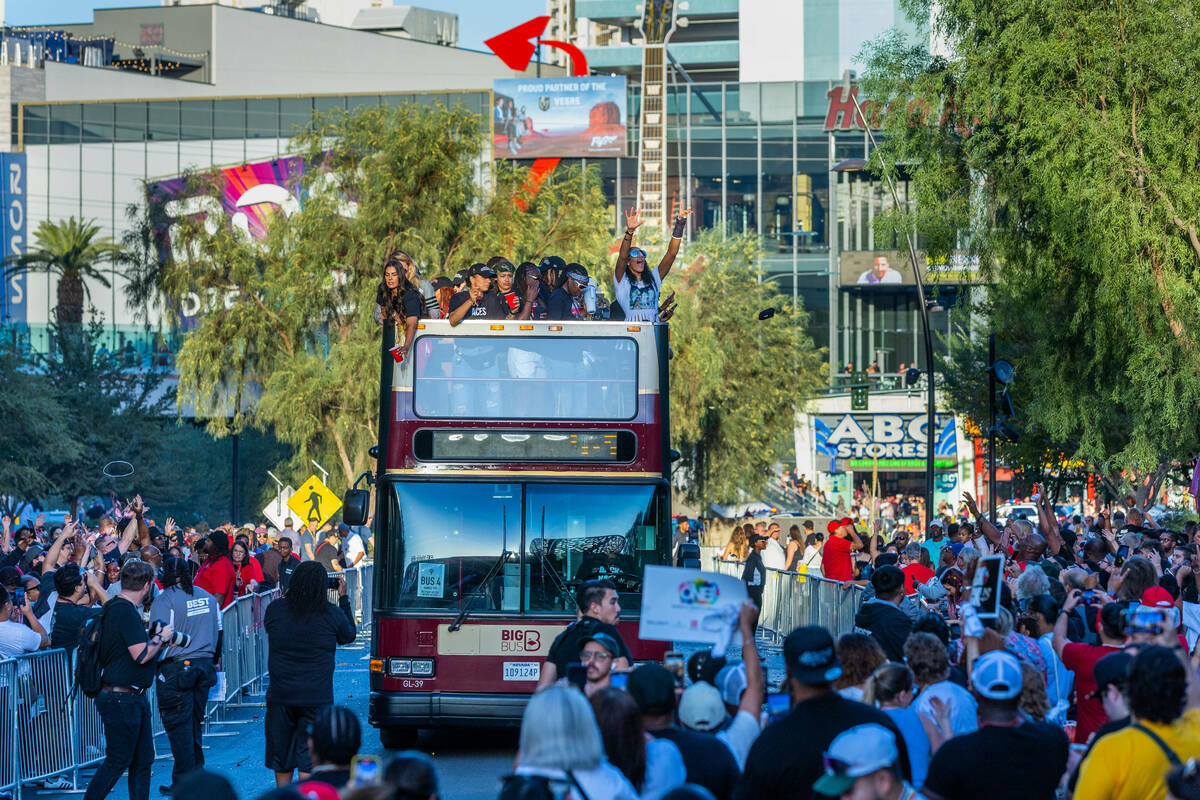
[(738, 546), (333, 742), (891, 688), (205, 785), (935, 540), (1043, 611), (927, 658), (289, 533), (1164, 732), (327, 551), (303, 632), (288, 562), (794, 556), (561, 742), (1034, 703), (247, 573), (754, 574), (216, 575), (786, 760), (835, 556), (127, 670), (1081, 659), (353, 549), (1034, 753), (18, 638), (599, 609), (810, 564), (308, 544), (774, 556), (187, 672), (79, 597), (743, 690), (864, 762), (653, 766), (411, 775), (597, 653), (860, 656), (477, 301), (708, 761), (566, 302), (915, 572), (881, 615)]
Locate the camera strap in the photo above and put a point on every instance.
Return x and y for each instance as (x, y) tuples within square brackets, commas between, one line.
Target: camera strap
[(1167, 751)]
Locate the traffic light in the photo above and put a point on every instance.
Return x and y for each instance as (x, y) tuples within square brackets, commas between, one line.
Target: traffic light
[(859, 391)]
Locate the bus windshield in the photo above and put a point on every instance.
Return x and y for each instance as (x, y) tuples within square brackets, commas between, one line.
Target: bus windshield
[(452, 537), (527, 377)]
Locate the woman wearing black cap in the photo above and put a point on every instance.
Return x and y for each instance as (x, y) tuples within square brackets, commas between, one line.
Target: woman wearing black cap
[(478, 301), (637, 288)]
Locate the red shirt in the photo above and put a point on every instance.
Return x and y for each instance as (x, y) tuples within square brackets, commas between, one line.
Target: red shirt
[(835, 559), (1081, 659), (914, 574), (216, 576), (250, 571)]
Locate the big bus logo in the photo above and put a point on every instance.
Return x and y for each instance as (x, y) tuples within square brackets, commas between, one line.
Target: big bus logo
[(515, 640), (698, 593)]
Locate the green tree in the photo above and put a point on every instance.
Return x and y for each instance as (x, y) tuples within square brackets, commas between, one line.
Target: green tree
[(285, 338), (74, 251), (737, 382), (1058, 143)]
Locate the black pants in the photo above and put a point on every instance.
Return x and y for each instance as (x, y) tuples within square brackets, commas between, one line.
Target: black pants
[(756, 593), (182, 694), (130, 745)]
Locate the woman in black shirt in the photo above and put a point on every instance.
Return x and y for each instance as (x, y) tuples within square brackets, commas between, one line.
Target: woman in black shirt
[(398, 300)]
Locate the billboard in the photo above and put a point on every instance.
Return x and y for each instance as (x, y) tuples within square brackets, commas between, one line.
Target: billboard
[(884, 441), (13, 205), (577, 117), (883, 268)]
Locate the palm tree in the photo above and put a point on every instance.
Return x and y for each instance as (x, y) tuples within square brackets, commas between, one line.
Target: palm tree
[(72, 250)]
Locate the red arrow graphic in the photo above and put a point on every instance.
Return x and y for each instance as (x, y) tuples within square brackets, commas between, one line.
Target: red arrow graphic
[(516, 46)]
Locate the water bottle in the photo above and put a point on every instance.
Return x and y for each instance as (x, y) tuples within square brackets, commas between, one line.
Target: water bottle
[(589, 298)]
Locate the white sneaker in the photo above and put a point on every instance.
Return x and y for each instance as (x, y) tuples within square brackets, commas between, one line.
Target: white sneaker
[(57, 782)]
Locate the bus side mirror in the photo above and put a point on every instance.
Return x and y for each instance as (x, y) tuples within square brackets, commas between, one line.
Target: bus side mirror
[(356, 505), (675, 455), (689, 555)]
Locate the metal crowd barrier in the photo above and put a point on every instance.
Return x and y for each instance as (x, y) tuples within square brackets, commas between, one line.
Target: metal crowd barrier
[(39, 704), (793, 599)]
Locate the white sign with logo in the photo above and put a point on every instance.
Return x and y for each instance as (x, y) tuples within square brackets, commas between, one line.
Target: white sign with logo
[(277, 510), (431, 580), (689, 605)]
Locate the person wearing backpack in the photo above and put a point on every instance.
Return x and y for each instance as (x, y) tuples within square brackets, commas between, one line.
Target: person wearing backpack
[(599, 610), (125, 656)]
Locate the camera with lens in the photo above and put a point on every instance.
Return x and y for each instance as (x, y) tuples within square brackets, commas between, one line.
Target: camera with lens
[(176, 639)]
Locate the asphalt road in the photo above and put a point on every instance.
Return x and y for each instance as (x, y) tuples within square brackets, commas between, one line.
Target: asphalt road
[(470, 761)]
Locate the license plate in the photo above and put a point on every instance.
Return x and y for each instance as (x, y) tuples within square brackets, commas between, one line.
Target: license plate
[(522, 670)]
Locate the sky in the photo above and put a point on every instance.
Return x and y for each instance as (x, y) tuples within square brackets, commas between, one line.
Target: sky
[(477, 19)]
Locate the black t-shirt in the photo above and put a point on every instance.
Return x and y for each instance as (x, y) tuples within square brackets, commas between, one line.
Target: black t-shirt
[(708, 760), (490, 305), (286, 567), (68, 619), (565, 648), (562, 305), (787, 757), (302, 650), (413, 303), (121, 628), (1034, 756), (326, 553)]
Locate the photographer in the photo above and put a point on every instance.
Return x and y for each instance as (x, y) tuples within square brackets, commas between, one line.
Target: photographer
[(303, 632), (127, 670), (190, 666)]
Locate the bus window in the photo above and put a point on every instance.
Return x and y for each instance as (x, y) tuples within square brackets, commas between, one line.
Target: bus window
[(579, 532), (533, 377), (452, 536)]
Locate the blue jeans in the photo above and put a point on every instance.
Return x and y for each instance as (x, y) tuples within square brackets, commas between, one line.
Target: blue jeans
[(130, 745)]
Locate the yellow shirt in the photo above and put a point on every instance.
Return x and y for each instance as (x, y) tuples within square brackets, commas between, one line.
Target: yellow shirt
[(1129, 765)]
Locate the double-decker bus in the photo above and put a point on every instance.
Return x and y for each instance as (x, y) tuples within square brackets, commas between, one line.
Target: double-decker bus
[(517, 459)]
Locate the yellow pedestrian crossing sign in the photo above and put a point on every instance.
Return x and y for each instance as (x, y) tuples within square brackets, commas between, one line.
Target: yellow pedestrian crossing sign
[(313, 503)]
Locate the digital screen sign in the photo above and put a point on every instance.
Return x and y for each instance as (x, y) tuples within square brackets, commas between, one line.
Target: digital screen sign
[(499, 446)]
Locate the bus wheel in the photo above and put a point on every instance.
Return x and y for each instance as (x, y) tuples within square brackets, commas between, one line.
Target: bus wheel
[(398, 738)]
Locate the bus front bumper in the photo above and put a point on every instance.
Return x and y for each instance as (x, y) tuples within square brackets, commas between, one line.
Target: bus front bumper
[(445, 709)]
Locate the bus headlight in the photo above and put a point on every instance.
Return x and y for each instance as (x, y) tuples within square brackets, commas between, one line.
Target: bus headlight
[(423, 667), (399, 667)]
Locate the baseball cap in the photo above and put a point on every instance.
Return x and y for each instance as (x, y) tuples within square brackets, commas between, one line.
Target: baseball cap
[(844, 521), (343, 527), (442, 283), (553, 262), (997, 675), (505, 266), (855, 752), (731, 682), (701, 708), (459, 277), (1113, 668), (604, 640), (481, 269), (832, 526), (579, 273), (809, 656), (652, 687), (1157, 597)]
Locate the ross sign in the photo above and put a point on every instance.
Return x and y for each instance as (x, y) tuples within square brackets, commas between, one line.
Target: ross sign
[(689, 605), (882, 268), (13, 205), (431, 580), (277, 510), (314, 503), (884, 441), (528, 641), (573, 117)]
